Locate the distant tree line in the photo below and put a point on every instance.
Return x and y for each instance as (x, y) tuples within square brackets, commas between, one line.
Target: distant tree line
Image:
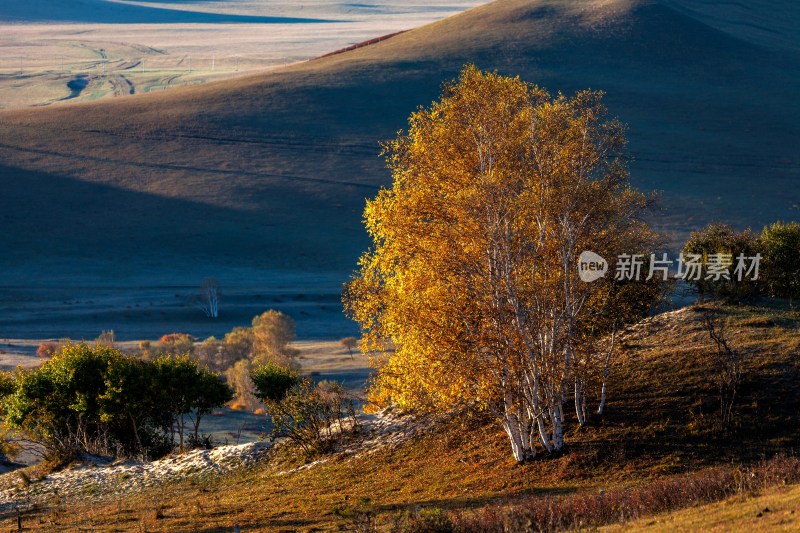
[(778, 246), (236, 354)]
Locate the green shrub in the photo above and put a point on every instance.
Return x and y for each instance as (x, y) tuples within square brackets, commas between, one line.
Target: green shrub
[(722, 239), (186, 392), (781, 249), (8, 447), (97, 400), (272, 382)]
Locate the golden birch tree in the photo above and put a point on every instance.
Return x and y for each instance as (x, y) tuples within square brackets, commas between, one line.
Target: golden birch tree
[(472, 278)]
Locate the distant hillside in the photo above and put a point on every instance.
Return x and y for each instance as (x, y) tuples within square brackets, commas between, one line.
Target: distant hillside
[(270, 173), (113, 12)]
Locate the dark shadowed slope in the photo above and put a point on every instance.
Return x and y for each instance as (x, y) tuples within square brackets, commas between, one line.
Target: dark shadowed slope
[(274, 169), (769, 23)]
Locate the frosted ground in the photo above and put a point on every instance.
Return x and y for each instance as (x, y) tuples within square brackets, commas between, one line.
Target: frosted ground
[(52, 51)]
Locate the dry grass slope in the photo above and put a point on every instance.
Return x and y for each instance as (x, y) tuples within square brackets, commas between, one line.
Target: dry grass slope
[(660, 421), (776, 510)]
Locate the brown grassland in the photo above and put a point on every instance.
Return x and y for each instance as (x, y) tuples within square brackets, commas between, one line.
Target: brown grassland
[(734, 514), (661, 421)]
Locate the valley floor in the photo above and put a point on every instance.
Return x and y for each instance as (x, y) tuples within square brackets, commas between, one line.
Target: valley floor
[(57, 54)]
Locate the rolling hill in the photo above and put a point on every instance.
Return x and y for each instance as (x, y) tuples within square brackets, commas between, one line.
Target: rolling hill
[(261, 180)]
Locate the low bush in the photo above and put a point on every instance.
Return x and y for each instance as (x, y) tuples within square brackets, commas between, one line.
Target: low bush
[(780, 244), (314, 417), (47, 349), (97, 400), (721, 240), (174, 343)]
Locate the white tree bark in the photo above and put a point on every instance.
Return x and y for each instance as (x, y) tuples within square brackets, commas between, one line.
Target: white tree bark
[(209, 297), (606, 366), (580, 404), (558, 427)]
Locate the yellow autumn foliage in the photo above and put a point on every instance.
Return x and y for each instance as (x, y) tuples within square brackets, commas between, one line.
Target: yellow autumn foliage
[(471, 278)]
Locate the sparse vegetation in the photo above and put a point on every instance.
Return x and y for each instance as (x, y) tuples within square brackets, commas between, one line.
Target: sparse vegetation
[(315, 417), (727, 368), (582, 511), (349, 344)]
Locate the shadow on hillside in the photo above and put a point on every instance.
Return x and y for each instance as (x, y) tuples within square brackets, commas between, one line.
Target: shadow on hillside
[(78, 257), (65, 217), (466, 502)]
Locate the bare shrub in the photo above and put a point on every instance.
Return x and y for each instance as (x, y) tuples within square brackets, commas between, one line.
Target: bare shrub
[(316, 418), (106, 338), (727, 364)]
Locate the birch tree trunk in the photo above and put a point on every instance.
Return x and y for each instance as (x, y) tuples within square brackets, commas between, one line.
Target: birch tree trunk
[(606, 366), (558, 427), (580, 403)]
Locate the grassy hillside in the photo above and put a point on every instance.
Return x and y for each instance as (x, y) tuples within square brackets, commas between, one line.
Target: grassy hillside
[(660, 422), (776, 510), (252, 178)]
